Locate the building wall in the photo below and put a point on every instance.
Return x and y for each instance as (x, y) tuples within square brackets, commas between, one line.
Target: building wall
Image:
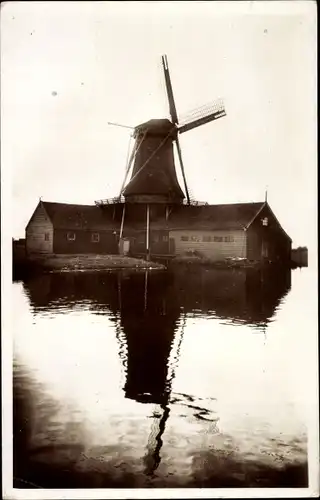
[(83, 243), (39, 232), (300, 256), (159, 242), (217, 245), (267, 241)]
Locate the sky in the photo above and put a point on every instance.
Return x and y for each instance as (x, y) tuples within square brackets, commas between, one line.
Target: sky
[(68, 68)]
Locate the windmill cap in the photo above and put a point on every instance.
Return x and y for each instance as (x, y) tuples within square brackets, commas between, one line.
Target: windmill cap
[(162, 127)]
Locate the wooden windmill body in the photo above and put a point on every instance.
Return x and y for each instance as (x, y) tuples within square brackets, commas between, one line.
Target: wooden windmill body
[(154, 178)]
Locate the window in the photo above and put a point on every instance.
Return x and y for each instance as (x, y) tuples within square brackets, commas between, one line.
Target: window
[(46, 236), (95, 237), (229, 239), (184, 238), (71, 236), (195, 238), (217, 238), (207, 239), (165, 237)]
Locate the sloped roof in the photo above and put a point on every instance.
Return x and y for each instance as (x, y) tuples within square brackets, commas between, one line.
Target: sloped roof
[(160, 127), (69, 216), (230, 216), (210, 217)]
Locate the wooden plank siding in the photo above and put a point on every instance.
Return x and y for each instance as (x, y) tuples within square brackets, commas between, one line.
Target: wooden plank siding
[(267, 241), (231, 244), (159, 242), (39, 232), (106, 243), (246, 233)]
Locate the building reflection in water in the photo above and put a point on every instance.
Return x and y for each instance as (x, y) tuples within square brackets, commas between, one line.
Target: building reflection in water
[(149, 311)]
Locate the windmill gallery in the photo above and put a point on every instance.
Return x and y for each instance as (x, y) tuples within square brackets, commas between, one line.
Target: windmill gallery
[(152, 217)]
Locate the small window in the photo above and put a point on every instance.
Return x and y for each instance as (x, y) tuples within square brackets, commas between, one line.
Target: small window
[(71, 236), (218, 238), (95, 237), (46, 236), (229, 239), (184, 238), (206, 239), (195, 238), (165, 237)]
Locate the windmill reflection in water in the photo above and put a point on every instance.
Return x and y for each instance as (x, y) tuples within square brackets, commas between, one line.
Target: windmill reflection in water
[(150, 310), (151, 323), (150, 332)]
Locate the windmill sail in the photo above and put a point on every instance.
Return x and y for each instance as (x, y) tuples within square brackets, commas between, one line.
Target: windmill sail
[(203, 115), (172, 106), (182, 169)]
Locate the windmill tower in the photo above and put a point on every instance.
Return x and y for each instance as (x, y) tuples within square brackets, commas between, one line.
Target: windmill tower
[(153, 178)]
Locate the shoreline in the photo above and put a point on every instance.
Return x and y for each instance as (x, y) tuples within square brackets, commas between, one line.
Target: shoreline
[(83, 262), (28, 266)]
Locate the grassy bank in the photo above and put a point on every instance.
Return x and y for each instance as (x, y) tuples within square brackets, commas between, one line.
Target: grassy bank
[(194, 258), (85, 262), (206, 261)]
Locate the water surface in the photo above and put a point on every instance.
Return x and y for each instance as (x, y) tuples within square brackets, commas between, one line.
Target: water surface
[(189, 378)]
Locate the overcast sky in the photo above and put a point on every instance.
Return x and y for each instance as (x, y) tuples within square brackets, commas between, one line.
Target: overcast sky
[(70, 67)]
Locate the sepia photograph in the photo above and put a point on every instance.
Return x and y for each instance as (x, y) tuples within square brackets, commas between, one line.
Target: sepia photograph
[(159, 249)]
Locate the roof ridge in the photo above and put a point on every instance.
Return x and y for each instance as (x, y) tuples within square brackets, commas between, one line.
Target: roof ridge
[(68, 204), (208, 205), (237, 203)]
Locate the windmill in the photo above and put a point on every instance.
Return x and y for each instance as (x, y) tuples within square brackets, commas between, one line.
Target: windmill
[(154, 177)]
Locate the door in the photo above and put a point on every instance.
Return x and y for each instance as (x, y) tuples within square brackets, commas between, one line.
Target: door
[(126, 247), (264, 249)]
